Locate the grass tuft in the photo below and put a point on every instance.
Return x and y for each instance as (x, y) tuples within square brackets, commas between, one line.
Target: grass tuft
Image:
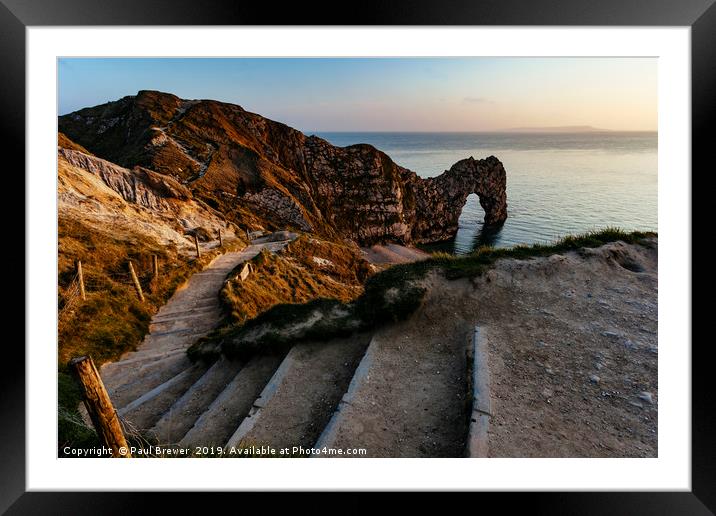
[(389, 296), (307, 269), (112, 320)]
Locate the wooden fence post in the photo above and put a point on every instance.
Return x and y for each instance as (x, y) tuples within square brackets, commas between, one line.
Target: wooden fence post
[(81, 279), (135, 280), (221, 242), (196, 244), (99, 407), (155, 266)]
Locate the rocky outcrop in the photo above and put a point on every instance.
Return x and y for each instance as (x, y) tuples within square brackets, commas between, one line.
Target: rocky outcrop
[(257, 171), (444, 197), (366, 196), (139, 186), (136, 205)]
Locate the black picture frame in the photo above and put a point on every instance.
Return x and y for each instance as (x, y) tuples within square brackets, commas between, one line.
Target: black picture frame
[(17, 15)]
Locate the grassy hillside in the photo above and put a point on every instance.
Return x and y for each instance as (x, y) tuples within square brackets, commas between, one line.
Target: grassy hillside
[(390, 295), (307, 269), (112, 320)]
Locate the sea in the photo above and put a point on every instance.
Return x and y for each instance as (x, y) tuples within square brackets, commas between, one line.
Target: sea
[(557, 183)]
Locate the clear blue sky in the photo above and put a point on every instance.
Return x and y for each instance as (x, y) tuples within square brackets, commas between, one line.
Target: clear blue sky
[(396, 94)]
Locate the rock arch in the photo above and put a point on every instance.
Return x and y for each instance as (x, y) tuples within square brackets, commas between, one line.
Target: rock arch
[(231, 158), (439, 200)]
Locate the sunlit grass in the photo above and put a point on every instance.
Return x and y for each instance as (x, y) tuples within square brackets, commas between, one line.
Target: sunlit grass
[(391, 295)]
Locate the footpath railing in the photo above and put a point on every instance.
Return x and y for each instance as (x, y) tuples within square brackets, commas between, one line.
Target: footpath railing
[(111, 429), (137, 272)]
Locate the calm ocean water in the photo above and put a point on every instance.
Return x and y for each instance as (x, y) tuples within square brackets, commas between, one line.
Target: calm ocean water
[(557, 184)]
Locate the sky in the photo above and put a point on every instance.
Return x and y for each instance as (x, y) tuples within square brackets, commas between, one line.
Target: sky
[(388, 94)]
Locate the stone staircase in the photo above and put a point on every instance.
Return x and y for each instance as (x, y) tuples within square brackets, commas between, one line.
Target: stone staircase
[(401, 392)]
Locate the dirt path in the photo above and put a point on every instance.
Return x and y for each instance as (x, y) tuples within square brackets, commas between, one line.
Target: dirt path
[(192, 312), (571, 346), (389, 254), (408, 398), (179, 419), (301, 397), (220, 419), (573, 351)]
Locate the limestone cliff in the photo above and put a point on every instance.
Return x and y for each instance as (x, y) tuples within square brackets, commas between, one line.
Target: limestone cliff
[(140, 204), (260, 172)]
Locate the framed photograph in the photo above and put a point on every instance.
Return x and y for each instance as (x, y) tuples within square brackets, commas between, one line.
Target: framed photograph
[(442, 248)]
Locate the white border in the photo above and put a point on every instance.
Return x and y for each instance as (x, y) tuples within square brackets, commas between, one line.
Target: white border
[(670, 471)]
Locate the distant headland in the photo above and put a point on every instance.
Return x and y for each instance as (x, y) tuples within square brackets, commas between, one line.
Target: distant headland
[(559, 129)]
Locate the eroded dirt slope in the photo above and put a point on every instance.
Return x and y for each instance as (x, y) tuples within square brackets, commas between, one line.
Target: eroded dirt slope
[(573, 350)]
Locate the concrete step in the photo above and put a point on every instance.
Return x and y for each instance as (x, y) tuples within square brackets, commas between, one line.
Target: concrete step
[(199, 298), (304, 391), (149, 381), (161, 348), (182, 332), (408, 397), (329, 435), (166, 341), (481, 408), (126, 388), (223, 416), (116, 374), (217, 272), (182, 415), (204, 323), (146, 410), (201, 295), (189, 313), (135, 360)]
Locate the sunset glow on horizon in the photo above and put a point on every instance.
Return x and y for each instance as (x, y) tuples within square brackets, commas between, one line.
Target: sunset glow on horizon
[(389, 94)]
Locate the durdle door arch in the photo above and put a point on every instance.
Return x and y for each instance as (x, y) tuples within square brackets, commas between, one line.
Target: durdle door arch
[(440, 200)]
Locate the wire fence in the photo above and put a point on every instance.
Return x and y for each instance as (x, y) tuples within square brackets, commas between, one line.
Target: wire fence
[(93, 282), (131, 431), (100, 282), (72, 297)]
